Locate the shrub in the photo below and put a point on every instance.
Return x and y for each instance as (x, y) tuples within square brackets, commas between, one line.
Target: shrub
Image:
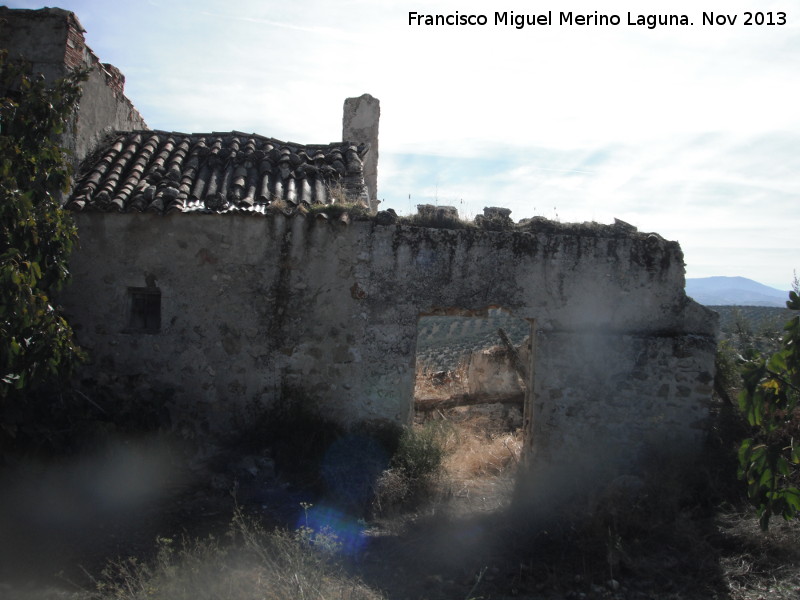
[(420, 452), (36, 342), (414, 468), (769, 460)]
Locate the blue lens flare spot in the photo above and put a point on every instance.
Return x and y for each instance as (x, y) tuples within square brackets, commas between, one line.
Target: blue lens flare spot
[(334, 529)]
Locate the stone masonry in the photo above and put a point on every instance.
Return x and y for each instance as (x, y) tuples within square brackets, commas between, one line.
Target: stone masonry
[(256, 309), (360, 121), (224, 272)]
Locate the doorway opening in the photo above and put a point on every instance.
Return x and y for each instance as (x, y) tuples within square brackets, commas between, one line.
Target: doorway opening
[(473, 375)]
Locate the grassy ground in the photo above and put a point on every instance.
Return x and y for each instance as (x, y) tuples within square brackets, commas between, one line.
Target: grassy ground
[(677, 534)]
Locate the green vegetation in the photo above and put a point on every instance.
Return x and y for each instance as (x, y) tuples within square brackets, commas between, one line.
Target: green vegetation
[(421, 451), (770, 459), (752, 328), (415, 467), (36, 343)]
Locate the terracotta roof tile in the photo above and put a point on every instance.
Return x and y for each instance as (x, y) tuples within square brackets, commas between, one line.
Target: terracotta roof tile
[(217, 172)]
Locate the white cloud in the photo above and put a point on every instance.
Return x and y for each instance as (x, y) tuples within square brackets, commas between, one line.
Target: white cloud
[(691, 132)]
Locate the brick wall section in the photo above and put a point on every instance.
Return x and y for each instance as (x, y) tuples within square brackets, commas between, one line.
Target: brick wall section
[(114, 78), (75, 47)]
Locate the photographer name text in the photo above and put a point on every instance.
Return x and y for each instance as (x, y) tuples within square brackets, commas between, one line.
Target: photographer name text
[(597, 19)]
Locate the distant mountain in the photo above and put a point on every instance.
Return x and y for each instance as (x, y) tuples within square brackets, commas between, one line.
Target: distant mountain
[(739, 291)]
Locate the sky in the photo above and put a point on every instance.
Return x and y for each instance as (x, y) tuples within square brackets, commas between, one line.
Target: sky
[(690, 131)]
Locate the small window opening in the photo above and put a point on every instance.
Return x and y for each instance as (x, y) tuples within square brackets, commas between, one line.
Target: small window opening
[(144, 315)]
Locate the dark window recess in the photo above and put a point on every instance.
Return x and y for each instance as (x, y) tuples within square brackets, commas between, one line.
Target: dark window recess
[(145, 310)]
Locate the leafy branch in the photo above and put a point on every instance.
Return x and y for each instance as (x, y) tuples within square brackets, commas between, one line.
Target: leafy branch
[(769, 461), (36, 235)]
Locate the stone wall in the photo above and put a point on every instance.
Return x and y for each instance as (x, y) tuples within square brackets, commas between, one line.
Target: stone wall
[(624, 396), (52, 40), (491, 371), (254, 309)]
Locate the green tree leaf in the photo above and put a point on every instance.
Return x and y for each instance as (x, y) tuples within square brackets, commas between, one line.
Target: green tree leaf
[(769, 460), (37, 235)]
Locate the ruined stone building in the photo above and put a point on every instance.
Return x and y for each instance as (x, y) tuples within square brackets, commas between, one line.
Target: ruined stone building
[(236, 270), (52, 40)]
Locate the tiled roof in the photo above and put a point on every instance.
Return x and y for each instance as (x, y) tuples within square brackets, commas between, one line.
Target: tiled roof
[(217, 172)]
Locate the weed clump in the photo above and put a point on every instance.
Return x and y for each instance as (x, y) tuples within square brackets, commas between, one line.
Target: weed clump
[(343, 212), (414, 469), (421, 451), (251, 563)]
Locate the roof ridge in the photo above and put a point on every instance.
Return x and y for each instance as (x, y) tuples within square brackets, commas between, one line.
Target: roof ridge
[(236, 132)]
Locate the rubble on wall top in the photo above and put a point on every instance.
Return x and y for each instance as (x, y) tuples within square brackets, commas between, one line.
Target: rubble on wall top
[(496, 218), (161, 172), (619, 229), (45, 12)]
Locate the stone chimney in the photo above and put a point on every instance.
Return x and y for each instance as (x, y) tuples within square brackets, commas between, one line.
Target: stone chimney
[(360, 125)]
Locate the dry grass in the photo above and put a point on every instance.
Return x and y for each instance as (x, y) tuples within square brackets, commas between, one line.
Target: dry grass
[(670, 536), (760, 565), (481, 463), (440, 384), (480, 452), (482, 445), (251, 563), (480, 441), (475, 451)]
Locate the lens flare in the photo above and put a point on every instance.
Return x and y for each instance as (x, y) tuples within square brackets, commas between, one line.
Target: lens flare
[(330, 524)]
